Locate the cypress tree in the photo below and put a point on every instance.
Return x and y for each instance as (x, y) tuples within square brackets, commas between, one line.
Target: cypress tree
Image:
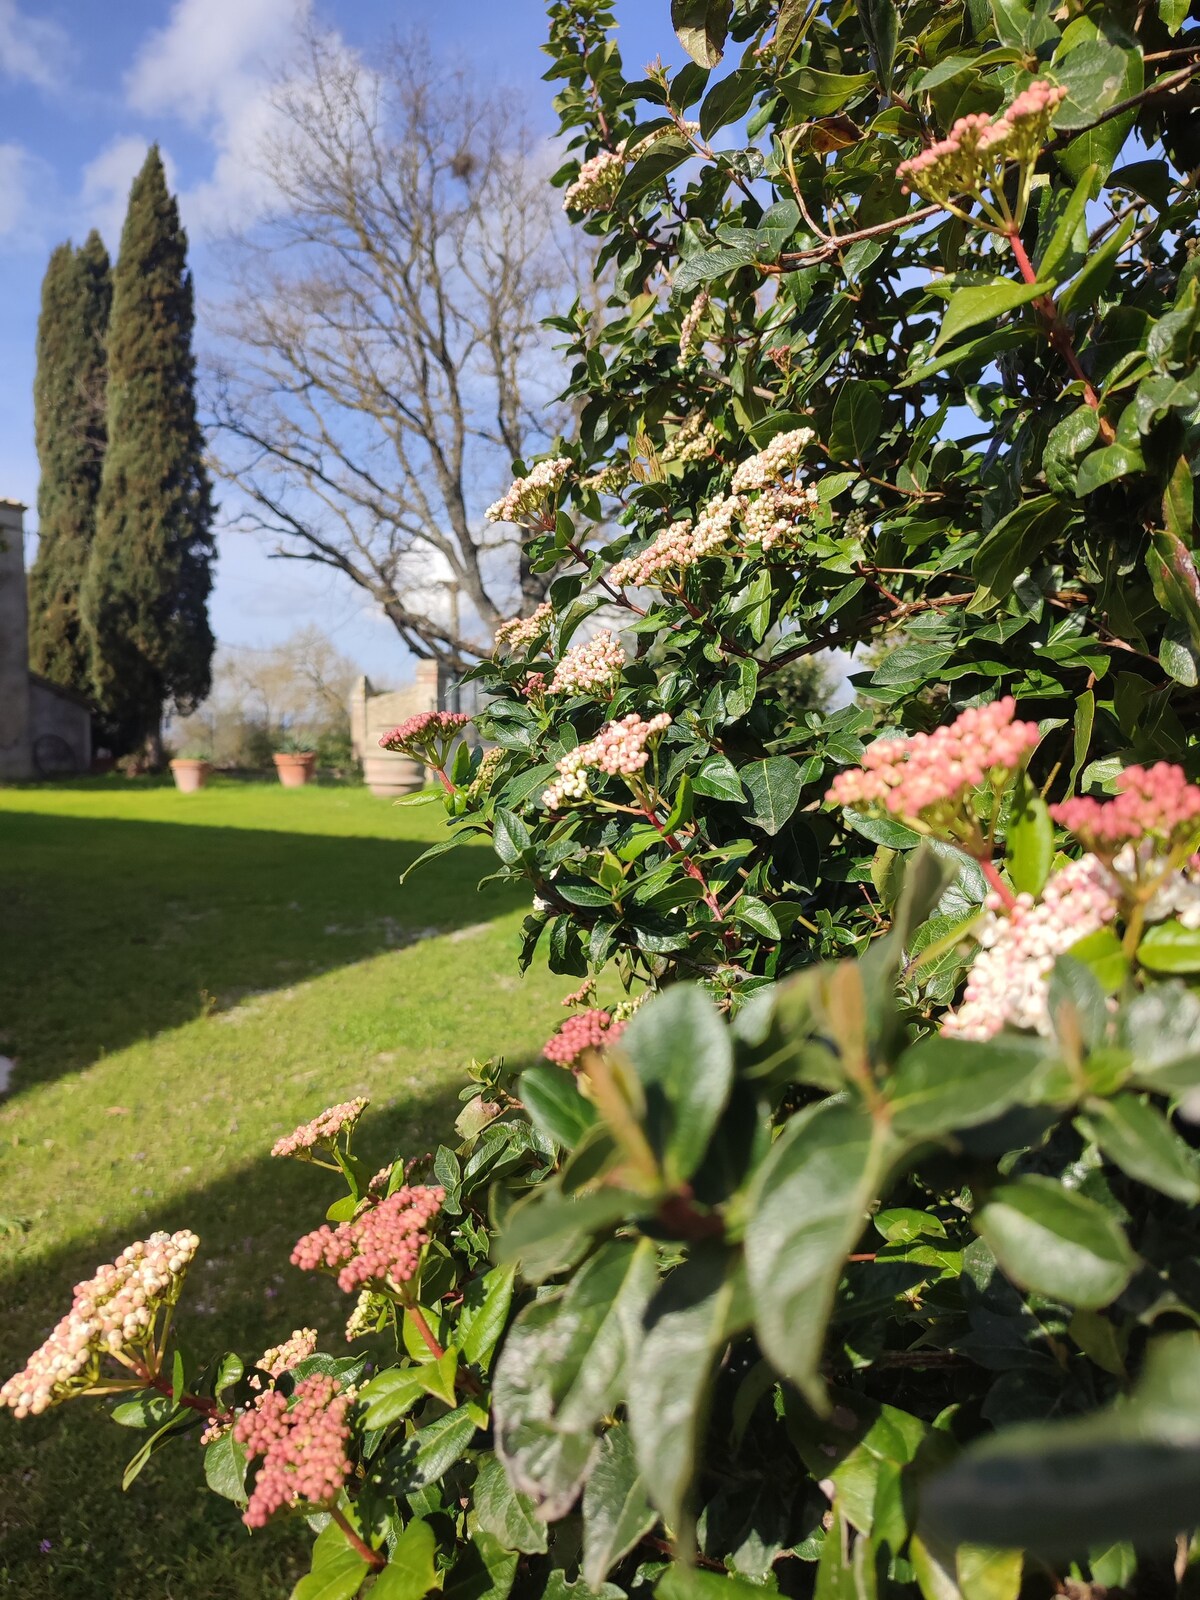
[(145, 600), (69, 426)]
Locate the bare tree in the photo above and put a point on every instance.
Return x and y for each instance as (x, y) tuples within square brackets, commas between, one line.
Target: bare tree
[(385, 360)]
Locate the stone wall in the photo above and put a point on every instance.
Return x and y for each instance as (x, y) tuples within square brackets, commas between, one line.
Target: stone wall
[(371, 715)]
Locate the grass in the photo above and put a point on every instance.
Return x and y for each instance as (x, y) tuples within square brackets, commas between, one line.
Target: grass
[(182, 979)]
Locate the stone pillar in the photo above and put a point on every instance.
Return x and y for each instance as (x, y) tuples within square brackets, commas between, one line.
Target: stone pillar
[(16, 754)]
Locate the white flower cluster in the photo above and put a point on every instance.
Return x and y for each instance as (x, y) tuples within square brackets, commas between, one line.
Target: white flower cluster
[(619, 747), (520, 632), (773, 518), (113, 1312), (689, 328), (589, 667), (609, 480), (1009, 981), (596, 186), (694, 439), (780, 457), (527, 499)]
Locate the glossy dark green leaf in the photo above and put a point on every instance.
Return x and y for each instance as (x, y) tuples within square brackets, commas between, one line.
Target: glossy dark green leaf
[(1169, 947), (774, 786), (944, 1083), (687, 1325), (1029, 847), (1130, 1472), (562, 1368), (616, 1507), (411, 1572), (555, 1105), (337, 1569), (484, 1570), (1057, 1242), (684, 1059), (807, 1207), (857, 413), (1139, 1139), (509, 1516), (702, 26)]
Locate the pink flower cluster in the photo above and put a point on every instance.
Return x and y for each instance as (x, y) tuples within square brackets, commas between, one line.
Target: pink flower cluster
[(620, 747), (322, 1130), (777, 516), (426, 736), (585, 1030), (1009, 980), (596, 186), (910, 777), (520, 632), (303, 1446), (381, 1247), (527, 500), (694, 440), (590, 668), (113, 1312), (1155, 803), (977, 146)]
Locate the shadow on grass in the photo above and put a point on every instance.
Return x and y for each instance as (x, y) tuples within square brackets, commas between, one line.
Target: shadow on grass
[(116, 930), (168, 1536)]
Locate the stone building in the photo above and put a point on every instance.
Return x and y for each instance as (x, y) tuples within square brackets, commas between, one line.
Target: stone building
[(372, 714), (45, 730)]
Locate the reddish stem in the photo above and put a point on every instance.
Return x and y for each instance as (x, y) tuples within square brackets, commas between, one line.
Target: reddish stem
[(1058, 335), (426, 1332), (992, 873), (194, 1402), (374, 1558), (445, 781), (689, 866)]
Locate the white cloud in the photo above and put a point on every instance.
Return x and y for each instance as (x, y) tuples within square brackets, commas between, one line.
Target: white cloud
[(33, 49), (106, 182), (198, 65), (215, 65), (14, 187)]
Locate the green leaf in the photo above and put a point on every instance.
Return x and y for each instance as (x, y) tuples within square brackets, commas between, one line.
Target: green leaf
[(650, 169), (685, 1582), (1063, 238), (411, 1571), (337, 1569), (616, 1508), (1065, 443), (1029, 847), (392, 1393), (434, 850), (702, 26), (943, 1084), (684, 1059), (427, 1454), (1161, 1030), (1139, 1139), (510, 1517), (670, 1377), (1170, 947), (561, 1369), (1055, 1241), (484, 1315), (807, 1206), (846, 1569), (225, 1467), (728, 99), (510, 837), (774, 787), (857, 413), (555, 1106), (813, 94), (718, 777), (1130, 1472), (484, 1571), (706, 265), (1094, 74), (1015, 544), (147, 1411), (969, 306), (1105, 466)]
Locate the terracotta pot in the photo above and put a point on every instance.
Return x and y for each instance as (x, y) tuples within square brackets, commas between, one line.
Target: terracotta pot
[(295, 768), (190, 775)]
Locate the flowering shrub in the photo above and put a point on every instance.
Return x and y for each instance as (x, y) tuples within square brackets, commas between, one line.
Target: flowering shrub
[(863, 1257)]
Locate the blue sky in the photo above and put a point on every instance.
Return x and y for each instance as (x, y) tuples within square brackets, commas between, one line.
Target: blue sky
[(84, 88)]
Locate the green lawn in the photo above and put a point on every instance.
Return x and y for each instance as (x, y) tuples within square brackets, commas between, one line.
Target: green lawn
[(182, 979)]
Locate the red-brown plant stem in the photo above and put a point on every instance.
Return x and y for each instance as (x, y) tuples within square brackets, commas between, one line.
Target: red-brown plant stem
[(375, 1559), (194, 1402), (435, 1348), (689, 866), (1059, 337), (444, 780), (992, 873)]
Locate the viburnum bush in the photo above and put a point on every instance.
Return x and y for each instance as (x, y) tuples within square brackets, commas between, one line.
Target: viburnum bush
[(854, 1249)]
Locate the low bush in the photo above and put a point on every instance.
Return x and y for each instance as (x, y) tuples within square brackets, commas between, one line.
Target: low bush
[(855, 1248)]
